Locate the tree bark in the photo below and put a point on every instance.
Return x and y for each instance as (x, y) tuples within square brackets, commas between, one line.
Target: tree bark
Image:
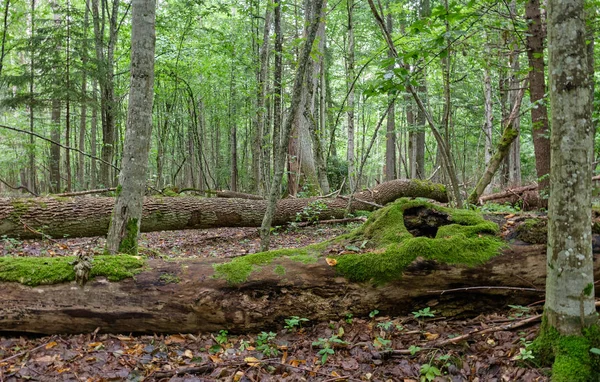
[(536, 34), (569, 288), (200, 303), (81, 217), (127, 214)]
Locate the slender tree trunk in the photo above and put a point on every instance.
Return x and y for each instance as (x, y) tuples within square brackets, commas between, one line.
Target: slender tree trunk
[(84, 101), (55, 180), (127, 214), (257, 157), (265, 228), (93, 136), (277, 85), (390, 136), (349, 78), (4, 32), (32, 170), (489, 116), (508, 136), (69, 180), (536, 34), (570, 283)]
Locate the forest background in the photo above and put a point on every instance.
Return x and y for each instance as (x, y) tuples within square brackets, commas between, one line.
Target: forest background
[(224, 73)]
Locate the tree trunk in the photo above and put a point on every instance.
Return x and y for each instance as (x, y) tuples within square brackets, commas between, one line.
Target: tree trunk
[(569, 288), (81, 217), (508, 136), (349, 78), (127, 214), (536, 34), (195, 301)]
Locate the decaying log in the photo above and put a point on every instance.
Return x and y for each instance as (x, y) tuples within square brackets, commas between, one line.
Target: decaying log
[(80, 217), (198, 302)]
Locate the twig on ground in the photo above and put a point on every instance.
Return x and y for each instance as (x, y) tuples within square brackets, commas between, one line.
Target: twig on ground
[(442, 291), (25, 352)]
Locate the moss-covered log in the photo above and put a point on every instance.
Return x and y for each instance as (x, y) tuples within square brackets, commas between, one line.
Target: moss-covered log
[(80, 217), (394, 263)]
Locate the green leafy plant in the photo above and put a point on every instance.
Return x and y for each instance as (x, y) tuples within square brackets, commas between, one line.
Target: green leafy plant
[(373, 313), (382, 343), (312, 211), (524, 354), (327, 346), (425, 312), (294, 322), (429, 372), (348, 318), (519, 311), (414, 349), (221, 338), (265, 344), (244, 345), (386, 325)]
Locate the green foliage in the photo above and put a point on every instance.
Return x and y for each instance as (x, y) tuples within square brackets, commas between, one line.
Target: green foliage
[(327, 346), (312, 212), (266, 345), (429, 372), (294, 322), (423, 313), (34, 271), (222, 338), (373, 313)]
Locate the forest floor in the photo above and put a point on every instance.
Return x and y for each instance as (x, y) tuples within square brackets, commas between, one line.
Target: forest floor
[(374, 348)]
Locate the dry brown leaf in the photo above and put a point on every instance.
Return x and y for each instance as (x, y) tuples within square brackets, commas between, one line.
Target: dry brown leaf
[(215, 358), (188, 353), (431, 336), (175, 338)]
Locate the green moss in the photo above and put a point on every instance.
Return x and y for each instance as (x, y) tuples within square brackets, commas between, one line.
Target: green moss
[(279, 270), (587, 291), (169, 278), (239, 269), (54, 270), (118, 190), (20, 207), (534, 231), (129, 243), (569, 356), (469, 240)]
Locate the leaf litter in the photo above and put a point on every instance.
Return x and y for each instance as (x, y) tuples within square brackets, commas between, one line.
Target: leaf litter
[(376, 348)]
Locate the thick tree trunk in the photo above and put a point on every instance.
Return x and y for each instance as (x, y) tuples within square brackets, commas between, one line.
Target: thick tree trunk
[(80, 217), (198, 302)]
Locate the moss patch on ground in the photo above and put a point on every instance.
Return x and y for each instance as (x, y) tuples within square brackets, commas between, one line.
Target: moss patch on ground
[(34, 271), (569, 356), (469, 239)]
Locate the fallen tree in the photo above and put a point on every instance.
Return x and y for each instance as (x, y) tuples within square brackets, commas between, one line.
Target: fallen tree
[(408, 255), (27, 218)]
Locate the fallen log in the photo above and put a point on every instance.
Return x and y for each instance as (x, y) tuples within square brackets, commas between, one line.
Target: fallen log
[(27, 218), (355, 274)]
